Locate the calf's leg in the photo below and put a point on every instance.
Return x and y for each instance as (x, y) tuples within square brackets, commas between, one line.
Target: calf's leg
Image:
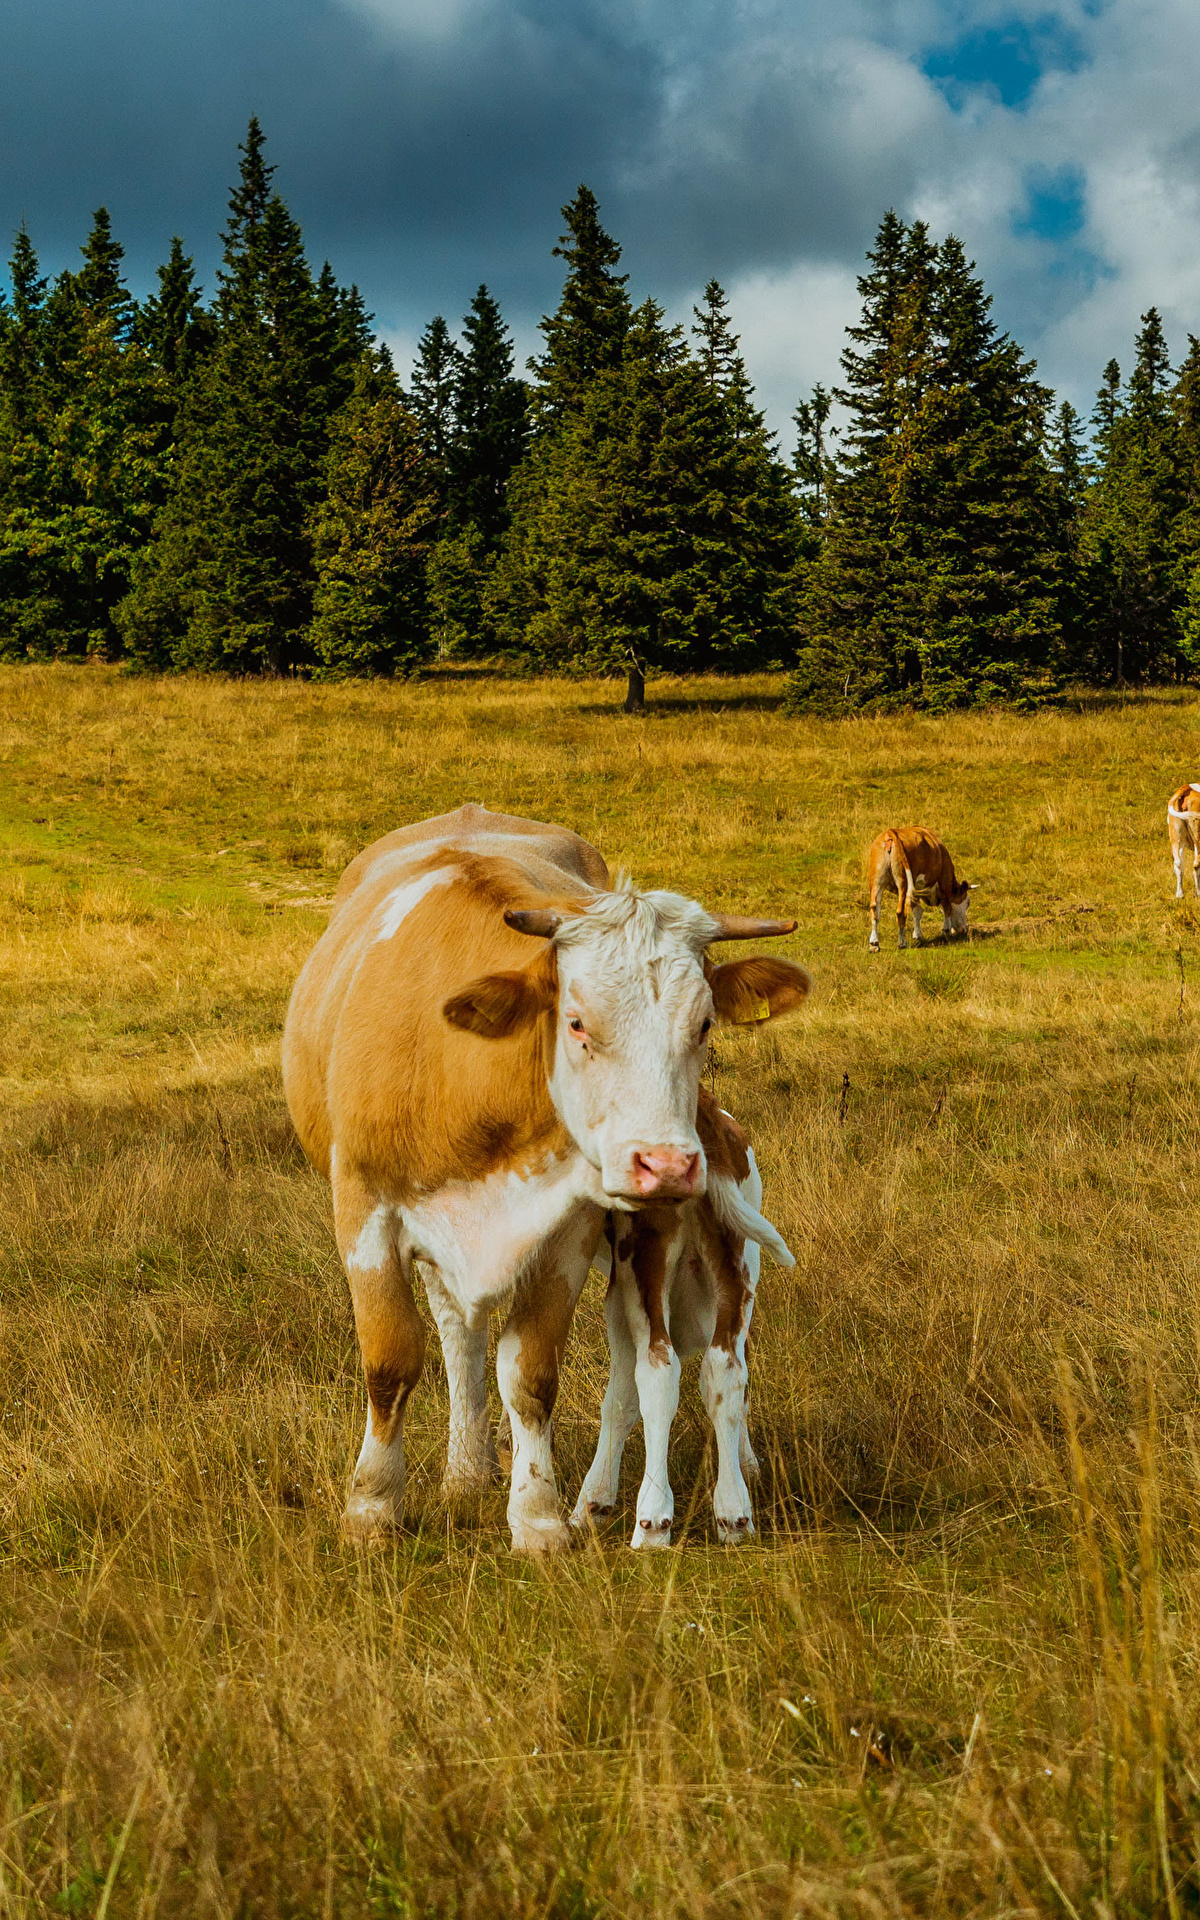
[(618, 1414), (642, 1278), (391, 1336), (723, 1383)]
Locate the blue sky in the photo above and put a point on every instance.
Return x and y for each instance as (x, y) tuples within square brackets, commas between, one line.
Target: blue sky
[(427, 145)]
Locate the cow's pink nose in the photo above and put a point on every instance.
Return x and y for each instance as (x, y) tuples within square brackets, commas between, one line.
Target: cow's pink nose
[(665, 1171)]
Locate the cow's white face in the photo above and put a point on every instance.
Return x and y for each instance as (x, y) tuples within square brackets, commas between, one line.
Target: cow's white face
[(633, 1018), (632, 1002), (960, 900)]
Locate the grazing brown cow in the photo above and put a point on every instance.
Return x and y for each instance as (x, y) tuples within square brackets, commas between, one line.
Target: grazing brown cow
[(479, 1103), (683, 1281), (1183, 826), (912, 863)]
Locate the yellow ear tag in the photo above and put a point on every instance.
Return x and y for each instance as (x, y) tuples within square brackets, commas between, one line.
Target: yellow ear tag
[(762, 1010)]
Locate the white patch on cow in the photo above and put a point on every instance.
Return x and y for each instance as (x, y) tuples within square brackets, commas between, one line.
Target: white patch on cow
[(401, 901), (373, 1244), (480, 1234)]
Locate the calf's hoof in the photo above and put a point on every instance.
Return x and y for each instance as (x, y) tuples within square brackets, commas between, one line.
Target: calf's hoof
[(735, 1531), (588, 1512), (370, 1516), (650, 1534)]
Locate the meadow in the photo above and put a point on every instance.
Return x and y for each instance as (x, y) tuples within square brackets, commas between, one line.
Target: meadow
[(956, 1673)]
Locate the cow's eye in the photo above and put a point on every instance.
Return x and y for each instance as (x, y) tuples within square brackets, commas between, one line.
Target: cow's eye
[(706, 1029), (575, 1023)]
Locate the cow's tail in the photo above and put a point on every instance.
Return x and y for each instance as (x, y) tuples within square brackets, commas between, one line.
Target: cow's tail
[(1175, 806), (901, 871), (735, 1212)]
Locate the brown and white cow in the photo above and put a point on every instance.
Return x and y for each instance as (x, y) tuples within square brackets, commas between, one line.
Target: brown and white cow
[(479, 1103), (912, 863), (682, 1281), (1183, 827)]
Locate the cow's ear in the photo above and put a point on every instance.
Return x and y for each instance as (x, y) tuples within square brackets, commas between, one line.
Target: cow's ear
[(759, 988), (500, 1004)]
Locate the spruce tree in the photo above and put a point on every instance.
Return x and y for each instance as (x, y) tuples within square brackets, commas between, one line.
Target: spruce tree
[(490, 425), (173, 323), (937, 579), (81, 454), (229, 582), (585, 335), (371, 533), (432, 389), (810, 461), (1128, 534)]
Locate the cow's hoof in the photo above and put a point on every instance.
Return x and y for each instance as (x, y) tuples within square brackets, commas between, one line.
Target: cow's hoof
[(541, 1536), (735, 1532), (370, 1517), (872, 946), (651, 1533)]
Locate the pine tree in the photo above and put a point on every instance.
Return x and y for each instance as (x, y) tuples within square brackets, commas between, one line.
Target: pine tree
[(173, 323), (229, 582), (657, 518), (938, 575), (811, 458), (1136, 595), (371, 533), (81, 457), (1069, 471), (586, 334), (431, 395), (490, 425)]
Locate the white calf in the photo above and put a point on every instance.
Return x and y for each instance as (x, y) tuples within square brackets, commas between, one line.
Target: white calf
[(682, 1281)]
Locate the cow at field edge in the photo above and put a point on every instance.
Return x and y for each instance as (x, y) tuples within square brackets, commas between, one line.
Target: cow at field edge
[(912, 863), (479, 1104), (1183, 827), (683, 1281)]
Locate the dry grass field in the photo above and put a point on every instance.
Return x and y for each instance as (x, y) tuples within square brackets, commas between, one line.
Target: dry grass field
[(958, 1671)]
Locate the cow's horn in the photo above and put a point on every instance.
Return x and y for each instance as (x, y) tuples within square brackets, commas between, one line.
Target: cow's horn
[(544, 922), (735, 926)]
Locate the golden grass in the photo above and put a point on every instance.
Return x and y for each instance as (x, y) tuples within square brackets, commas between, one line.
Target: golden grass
[(957, 1672)]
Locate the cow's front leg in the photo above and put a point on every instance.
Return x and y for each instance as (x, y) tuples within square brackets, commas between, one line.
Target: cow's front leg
[(471, 1461), (916, 914), (527, 1364), (391, 1336), (618, 1414), (1196, 869)]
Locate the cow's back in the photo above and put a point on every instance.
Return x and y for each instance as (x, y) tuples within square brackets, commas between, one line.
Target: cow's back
[(368, 1059)]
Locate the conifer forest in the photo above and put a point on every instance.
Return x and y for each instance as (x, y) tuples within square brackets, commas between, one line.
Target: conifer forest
[(244, 485)]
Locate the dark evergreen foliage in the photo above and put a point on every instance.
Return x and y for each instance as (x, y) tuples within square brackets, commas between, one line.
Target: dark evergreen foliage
[(937, 580), (242, 485)]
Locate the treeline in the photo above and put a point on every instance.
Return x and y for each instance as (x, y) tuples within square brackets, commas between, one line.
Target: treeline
[(245, 485)]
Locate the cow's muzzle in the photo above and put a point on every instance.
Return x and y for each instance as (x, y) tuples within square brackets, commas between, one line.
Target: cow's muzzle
[(662, 1173)]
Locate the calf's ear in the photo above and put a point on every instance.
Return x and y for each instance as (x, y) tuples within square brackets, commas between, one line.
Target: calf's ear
[(759, 988), (500, 1004)]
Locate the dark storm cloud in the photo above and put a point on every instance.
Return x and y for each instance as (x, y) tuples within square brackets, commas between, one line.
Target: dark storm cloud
[(425, 153), (428, 144)]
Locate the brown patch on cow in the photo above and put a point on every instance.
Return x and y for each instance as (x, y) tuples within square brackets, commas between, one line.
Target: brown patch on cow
[(386, 1386), (625, 1248), (726, 1147), (541, 1323), (724, 1256), (653, 1229)]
